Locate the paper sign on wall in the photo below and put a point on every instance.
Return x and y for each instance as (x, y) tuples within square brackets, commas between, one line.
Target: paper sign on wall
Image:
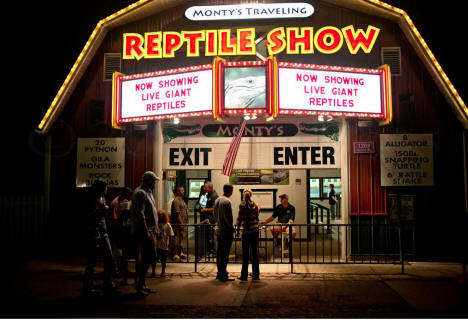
[(406, 160), (100, 158)]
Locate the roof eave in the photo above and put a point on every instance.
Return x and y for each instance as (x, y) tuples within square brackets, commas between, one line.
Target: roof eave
[(134, 12)]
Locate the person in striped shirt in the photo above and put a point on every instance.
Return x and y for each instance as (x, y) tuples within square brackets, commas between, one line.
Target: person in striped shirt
[(247, 221)]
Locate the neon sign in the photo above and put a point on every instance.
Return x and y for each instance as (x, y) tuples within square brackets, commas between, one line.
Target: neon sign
[(253, 88), (163, 94), (315, 89), (223, 42)]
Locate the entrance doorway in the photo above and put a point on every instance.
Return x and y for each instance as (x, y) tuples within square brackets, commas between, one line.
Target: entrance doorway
[(318, 185), (192, 181)]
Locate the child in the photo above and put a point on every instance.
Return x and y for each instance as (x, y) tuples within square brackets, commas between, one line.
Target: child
[(166, 231)]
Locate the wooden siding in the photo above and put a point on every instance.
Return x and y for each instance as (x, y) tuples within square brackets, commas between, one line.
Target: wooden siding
[(431, 114)]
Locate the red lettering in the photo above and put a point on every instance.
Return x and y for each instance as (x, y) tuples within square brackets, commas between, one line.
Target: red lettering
[(328, 40), (133, 46), (302, 40), (172, 43), (358, 39), (275, 41)]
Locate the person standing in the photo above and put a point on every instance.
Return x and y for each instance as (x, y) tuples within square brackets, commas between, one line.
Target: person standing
[(208, 213), (120, 208), (145, 227), (332, 200), (98, 240), (166, 233), (179, 217), (247, 221), (224, 231)]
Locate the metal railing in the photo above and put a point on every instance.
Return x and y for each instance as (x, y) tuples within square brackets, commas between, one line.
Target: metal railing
[(312, 244)]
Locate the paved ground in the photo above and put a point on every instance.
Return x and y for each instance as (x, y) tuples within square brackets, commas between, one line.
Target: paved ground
[(51, 288)]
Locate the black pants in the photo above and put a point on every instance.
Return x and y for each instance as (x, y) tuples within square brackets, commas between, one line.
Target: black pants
[(162, 255), (125, 245), (250, 243), (222, 254), (94, 248), (148, 256)]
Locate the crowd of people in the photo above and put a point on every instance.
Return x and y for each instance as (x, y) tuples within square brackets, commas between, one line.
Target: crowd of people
[(132, 222)]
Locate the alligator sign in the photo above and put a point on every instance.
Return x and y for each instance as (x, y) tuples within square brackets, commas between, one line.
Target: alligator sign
[(329, 130), (172, 131)]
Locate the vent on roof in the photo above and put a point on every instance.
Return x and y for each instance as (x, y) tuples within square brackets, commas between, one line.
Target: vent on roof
[(392, 57), (112, 63)]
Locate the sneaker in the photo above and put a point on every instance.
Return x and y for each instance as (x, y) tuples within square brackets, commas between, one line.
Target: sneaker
[(163, 274), (176, 258), (242, 279), (183, 256)]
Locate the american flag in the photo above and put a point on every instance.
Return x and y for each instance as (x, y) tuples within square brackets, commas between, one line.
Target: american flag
[(232, 152)]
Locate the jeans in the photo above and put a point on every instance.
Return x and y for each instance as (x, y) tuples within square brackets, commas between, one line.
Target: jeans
[(250, 243), (222, 254), (148, 256), (332, 211), (162, 254), (93, 247)]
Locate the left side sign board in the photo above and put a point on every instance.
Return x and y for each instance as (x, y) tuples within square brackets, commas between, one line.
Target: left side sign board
[(100, 158)]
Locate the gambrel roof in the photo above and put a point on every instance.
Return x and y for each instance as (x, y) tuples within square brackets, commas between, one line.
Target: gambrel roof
[(145, 8)]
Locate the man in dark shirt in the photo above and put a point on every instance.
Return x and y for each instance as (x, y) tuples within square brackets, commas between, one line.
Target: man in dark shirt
[(286, 213), (145, 227), (208, 213), (332, 201)]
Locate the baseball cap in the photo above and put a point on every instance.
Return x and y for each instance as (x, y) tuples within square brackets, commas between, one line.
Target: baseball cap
[(284, 195), (150, 175)]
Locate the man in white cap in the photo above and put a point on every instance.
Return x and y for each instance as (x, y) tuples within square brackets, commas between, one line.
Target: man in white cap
[(145, 227)]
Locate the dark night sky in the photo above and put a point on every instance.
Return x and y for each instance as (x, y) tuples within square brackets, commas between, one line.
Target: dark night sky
[(41, 40)]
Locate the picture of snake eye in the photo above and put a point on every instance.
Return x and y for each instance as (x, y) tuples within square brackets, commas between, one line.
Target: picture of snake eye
[(244, 88)]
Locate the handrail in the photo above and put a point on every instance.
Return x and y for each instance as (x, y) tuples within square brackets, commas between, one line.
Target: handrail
[(318, 205)]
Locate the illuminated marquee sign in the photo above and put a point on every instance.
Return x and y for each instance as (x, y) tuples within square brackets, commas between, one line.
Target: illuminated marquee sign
[(223, 42), (151, 96), (254, 88), (250, 11), (336, 91)]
